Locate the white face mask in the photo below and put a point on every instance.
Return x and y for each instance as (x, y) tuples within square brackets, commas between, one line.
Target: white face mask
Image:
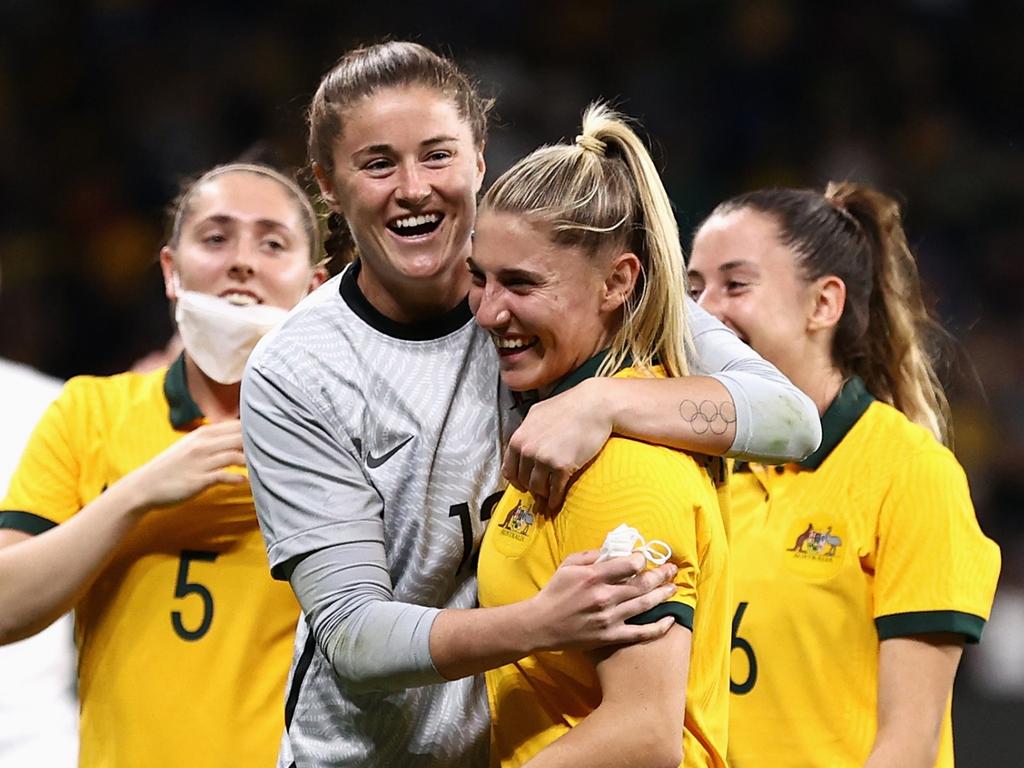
[(219, 335)]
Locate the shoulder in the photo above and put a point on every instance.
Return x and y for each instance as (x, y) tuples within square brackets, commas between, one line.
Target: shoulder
[(625, 463), (307, 338), (899, 447)]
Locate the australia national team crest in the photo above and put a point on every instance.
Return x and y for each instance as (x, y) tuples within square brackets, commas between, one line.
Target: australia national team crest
[(814, 548), (517, 523)]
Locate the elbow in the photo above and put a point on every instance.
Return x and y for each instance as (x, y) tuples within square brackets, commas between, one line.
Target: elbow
[(662, 746), (807, 431), (352, 669), (666, 753)]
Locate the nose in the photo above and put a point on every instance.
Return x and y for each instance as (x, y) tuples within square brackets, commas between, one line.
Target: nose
[(413, 188), (489, 307), (710, 303), (243, 260)]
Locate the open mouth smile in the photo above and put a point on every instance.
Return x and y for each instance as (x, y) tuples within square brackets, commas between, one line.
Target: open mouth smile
[(420, 225), (241, 298), (513, 345)]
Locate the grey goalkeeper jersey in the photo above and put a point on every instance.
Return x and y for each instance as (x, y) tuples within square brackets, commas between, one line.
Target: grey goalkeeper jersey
[(359, 429), (386, 439)]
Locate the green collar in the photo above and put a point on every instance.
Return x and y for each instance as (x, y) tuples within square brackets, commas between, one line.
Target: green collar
[(587, 370), (840, 416), (184, 410)]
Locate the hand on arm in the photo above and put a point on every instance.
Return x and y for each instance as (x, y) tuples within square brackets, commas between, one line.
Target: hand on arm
[(44, 576), (640, 718), (915, 681), (585, 605), (561, 435), (745, 408)]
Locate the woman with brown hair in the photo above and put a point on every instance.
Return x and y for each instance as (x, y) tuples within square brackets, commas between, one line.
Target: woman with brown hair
[(375, 425), (861, 570)]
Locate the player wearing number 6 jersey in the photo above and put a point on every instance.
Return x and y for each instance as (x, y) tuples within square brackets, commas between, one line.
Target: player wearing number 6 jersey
[(861, 571), (130, 505)]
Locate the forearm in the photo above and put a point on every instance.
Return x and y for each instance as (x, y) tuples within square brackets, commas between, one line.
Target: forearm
[(472, 641), (695, 413), (739, 413), (915, 683), (376, 643), (43, 577)]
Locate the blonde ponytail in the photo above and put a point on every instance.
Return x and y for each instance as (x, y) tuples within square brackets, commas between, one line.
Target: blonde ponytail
[(604, 193)]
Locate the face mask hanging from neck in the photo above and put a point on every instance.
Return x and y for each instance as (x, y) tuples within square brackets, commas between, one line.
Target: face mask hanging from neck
[(218, 335)]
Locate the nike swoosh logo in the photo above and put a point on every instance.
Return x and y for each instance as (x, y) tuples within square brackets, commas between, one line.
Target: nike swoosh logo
[(375, 461)]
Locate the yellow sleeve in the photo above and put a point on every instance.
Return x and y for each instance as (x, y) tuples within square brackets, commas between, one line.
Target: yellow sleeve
[(651, 489), (44, 490), (935, 570)]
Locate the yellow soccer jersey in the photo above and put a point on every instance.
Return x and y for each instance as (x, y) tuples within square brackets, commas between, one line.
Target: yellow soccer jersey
[(184, 641), (871, 537), (665, 495)]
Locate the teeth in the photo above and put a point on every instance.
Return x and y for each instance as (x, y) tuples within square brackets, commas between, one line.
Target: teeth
[(510, 343), (417, 221), (240, 299)]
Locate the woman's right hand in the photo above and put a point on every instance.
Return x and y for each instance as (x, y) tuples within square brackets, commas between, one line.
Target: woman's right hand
[(586, 603), (193, 464)]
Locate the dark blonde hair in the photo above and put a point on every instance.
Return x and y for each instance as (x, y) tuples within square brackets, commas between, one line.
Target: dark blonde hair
[(886, 334), (364, 71), (180, 209), (604, 194)]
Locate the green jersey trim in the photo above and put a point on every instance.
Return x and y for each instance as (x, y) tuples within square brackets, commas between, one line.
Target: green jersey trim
[(840, 416), (184, 410), (927, 622), (26, 522), (681, 612)]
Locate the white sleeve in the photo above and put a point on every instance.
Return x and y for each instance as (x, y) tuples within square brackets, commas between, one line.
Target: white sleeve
[(775, 421), (322, 522)]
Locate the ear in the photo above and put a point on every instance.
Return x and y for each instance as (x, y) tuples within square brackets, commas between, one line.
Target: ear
[(623, 272), (167, 267), (481, 168), (828, 298), (318, 278), (326, 184)]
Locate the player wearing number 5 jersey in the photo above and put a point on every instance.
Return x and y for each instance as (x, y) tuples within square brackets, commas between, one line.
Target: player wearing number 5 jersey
[(130, 505), (861, 571)]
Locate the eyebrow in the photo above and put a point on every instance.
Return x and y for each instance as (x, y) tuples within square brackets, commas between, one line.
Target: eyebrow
[(735, 264), (508, 274), (385, 148), (223, 218)]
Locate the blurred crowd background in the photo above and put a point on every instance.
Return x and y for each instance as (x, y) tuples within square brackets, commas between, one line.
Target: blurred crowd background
[(106, 105)]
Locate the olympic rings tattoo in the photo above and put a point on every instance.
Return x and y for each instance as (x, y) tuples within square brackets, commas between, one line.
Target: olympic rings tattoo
[(708, 416)]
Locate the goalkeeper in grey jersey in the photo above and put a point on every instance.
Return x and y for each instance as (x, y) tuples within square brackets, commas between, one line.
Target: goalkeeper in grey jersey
[(374, 426)]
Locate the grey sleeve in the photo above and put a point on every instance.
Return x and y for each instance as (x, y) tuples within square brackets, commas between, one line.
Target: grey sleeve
[(372, 642), (775, 421), (322, 522)]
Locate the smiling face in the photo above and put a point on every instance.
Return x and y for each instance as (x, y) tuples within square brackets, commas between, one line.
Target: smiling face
[(548, 308), (406, 175), (242, 238), (743, 274)]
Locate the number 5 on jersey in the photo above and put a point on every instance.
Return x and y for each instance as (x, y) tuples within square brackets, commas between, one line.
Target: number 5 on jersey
[(183, 588)]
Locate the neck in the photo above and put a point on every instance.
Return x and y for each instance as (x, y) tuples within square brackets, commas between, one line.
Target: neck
[(408, 301), (218, 402), (821, 385)]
